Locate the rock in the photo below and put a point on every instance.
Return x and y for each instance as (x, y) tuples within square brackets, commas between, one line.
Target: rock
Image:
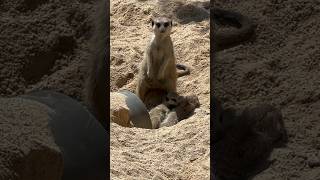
[(27, 147), (119, 111)]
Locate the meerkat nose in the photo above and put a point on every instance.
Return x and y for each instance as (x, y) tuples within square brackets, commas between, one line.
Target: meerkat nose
[(162, 30)]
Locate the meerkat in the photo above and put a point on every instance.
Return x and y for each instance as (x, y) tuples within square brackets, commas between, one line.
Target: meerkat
[(170, 120), (95, 90), (187, 105), (249, 141), (164, 113), (158, 68), (158, 114)]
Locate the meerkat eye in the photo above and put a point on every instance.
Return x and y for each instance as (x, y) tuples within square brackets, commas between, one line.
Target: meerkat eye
[(158, 25), (167, 99), (166, 24), (174, 100)]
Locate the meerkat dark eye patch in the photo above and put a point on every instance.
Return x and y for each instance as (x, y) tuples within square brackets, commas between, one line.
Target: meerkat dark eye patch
[(158, 25), (167, 99), (152, 23), (166, 24)]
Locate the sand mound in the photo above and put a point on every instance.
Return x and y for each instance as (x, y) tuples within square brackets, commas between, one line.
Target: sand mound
[(177, 152)]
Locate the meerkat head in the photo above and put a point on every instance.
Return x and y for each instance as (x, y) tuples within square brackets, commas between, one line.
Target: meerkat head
[(172, 100), (161, 26)]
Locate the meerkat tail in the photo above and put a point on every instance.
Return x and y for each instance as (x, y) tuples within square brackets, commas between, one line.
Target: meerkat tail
[(226, 39), (245, 28), (184, 68)]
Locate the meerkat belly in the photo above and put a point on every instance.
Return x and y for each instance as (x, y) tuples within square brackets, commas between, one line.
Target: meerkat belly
[(158, 60)]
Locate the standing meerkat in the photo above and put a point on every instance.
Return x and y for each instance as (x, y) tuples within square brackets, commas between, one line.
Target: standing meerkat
[(95, 90), (164, 114), (158, 68)]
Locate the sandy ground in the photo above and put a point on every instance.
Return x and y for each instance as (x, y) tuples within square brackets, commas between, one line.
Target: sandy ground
[(177, 152), (43, 45), (279, 66)]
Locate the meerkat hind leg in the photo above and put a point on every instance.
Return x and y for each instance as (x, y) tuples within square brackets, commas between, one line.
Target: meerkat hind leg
[(141, 90)]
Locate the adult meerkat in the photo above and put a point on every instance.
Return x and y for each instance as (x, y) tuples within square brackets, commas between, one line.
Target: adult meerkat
[(95, 90), (158, 68), (164, 114)]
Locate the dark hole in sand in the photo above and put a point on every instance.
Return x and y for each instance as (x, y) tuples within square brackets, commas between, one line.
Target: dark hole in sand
[(39, 65)]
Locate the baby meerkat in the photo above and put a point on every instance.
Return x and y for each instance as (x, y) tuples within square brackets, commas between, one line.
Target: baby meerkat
[(158, 68), (164, 114), (170, 120)]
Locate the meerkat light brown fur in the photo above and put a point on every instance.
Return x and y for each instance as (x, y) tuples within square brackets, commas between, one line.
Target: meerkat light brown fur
[(164, 114), (158, 68)]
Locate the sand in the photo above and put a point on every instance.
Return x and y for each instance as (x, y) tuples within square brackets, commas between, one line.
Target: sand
[(178, 152), (44, 45), (280, 66)]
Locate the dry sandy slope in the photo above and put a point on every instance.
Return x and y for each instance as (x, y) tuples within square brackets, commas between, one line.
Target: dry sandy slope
[(178, 152), (280, 66)]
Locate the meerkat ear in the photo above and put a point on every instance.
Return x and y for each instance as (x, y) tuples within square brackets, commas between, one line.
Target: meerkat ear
[(171, 23), (152, 22)]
